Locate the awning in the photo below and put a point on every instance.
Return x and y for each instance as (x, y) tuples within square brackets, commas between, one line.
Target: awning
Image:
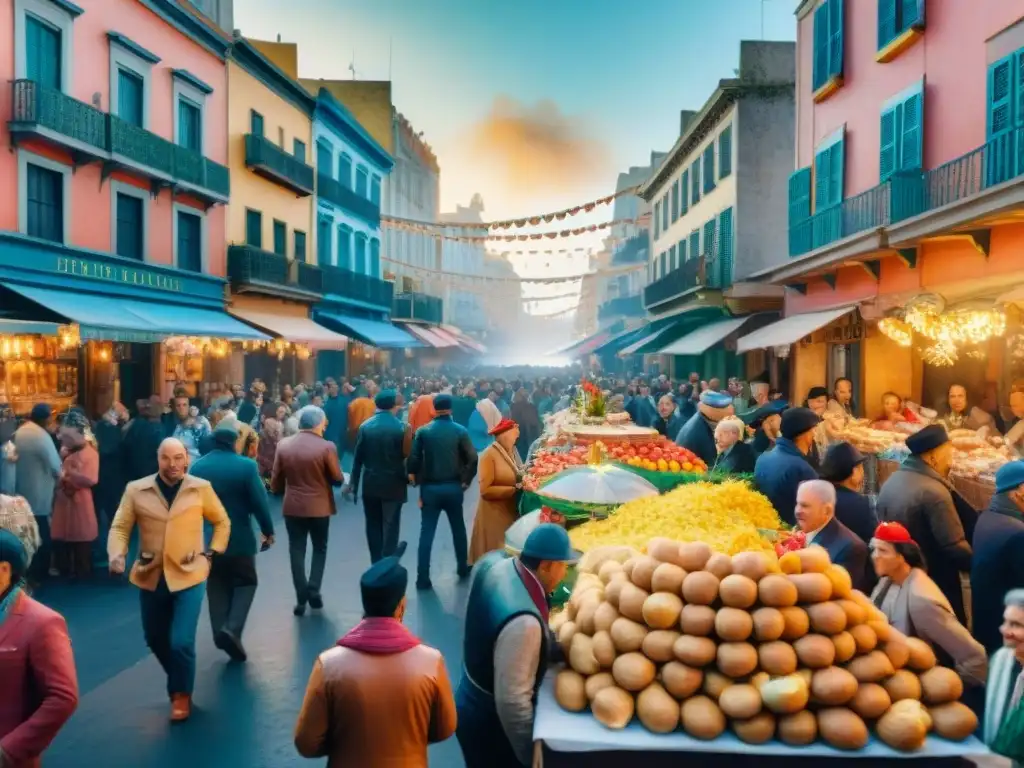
[(699, 341), (299, 330), (431, 337), (591, 344), (622, 339), (643, 341), (464, 340), (113, 318), (28, 328), (789, 330), (375, 333)]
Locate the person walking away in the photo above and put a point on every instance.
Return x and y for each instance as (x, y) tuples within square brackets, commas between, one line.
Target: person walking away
[(339, 397), (360, 409), (463, 404), (37, 667), (169, 509), (443, 464), (779, 472), (524, 414), (734, 457), (141, 444), (843, 466), (36, 479), (74, 523), (109, 432), (1003, 726), (815, 516), (421, 410), (506, 648), (485, 418), (306, 471), (501, 474), (231, 586), (379, 697), (379, 462), (998, 563), (919, 496)]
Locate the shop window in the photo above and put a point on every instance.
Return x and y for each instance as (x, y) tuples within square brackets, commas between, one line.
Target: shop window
[(323, 241), (280, 238), (255, 123), (253, 228), (345, 171), (360, 266), (189, 241), (361, 181), (130, 225), (44, 203), (190, 125), (300, 246), (299, 150), (725, 152), (344, 247), (709, 168), (902, 133), (43, 52)]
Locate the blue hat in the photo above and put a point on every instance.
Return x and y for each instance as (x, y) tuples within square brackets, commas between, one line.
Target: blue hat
[(1010, 476), (384, 583), (442, 402), (385, 399), (715, 399), (927, 439), (549, 541), (12, 551)]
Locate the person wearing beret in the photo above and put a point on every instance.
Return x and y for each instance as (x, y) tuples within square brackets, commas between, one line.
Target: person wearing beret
[(380, 696), (998, 564), (507, 647), (501, 473), (698, 433), (843, 466), (919, 496), (378, 463), (766, 421), (779, 472), (37, 668)]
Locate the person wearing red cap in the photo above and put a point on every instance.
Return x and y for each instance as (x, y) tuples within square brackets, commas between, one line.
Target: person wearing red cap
[(916, 606), (501, 472)]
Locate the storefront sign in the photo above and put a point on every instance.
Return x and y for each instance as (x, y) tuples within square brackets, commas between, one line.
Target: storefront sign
[(113, 273)]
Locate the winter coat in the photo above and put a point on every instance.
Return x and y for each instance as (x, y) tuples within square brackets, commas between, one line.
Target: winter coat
[(74, 513), (779, 472), (38, 467)]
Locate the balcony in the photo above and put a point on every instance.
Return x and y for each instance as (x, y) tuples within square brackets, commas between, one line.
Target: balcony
[(273, 163), (621, 306), (692, 274), (633, 251), (861, 213), (92, 135), (357, 288), (417, 306), (336, 193), (253, 270)]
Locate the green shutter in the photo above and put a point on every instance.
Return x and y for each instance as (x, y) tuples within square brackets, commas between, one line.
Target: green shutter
[(725, 248), (43, 54), (255, 123), (835, 38), (280, 238), (664, 212), (657, 219), (887, 26), (672, 264), (709, 239), (682, 251), (675, 201), (323, 241), (912, 14), (375, 257), (299, 150), (822, 178), (324, 158), (820, 64), (725, 152), (836, 168), (709, 167), (799, 195), (887, 158), (300, 246), (129, 97), (684, 193), (1000, 96), (344, 247), (254, 228), (695, 244), (911, 144), (695, 181)]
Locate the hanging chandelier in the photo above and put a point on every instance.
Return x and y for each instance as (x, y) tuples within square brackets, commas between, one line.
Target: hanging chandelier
[(196, 346), (897, 330)]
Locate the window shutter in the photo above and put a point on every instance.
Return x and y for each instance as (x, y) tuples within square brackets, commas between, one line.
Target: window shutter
[(1000, 96), (835, 38), (695, 179), (709, 239), (820, 71), (695, 244), (664, 213), (887, 156), (661, 263), (709, 168), (324, 158), (684, 192), (280, 238), (672, 263), (344, 247), (836, 163), (300, 246), (912, 12), (254, 228), (725, 153), (375, 190), (821, 180), (725, 248), (799, 195), (887, 21), (682, 251), (1018, 76), (255, 123), (675, 201), (345, 171), (375, 257), (323, 241), (912, 134)]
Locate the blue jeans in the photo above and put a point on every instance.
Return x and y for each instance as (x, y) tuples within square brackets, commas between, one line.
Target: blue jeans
[(169, 622), (438, 498)]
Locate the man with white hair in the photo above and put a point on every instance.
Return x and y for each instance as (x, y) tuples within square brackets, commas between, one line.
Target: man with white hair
[(735, 457), (816, 517), (306, 471), (1004, 689)]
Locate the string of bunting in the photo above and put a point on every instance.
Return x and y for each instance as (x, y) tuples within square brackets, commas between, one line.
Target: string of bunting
[(537, 280), (426, 229)]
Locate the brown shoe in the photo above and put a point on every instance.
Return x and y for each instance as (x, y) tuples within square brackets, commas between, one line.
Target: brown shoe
[(181, 707)]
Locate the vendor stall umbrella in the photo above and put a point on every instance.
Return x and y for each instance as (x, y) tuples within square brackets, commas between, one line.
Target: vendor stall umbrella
[(597, 484)]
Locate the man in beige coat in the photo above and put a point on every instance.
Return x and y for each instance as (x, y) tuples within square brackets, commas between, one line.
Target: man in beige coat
[(169, 509), (381, 696)]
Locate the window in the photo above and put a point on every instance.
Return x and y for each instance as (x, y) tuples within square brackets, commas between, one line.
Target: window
[(799, 195), (672, 258), (345, 171), (709, 168), (657, 219), (725, 152), (361, 181), (662, 266), (684, 193), (360, 265), (344, 247), (190, 125), (323, 241), (675, 201), (300, 246), (130, 227), (709, 240), (324, 158), (897, 16), (190, 241), (695, 244), (253, 228), (375, 190), (695, 178), (44, 203), (129, 97), (682, 251), (43, 52), (901, 134), (375, 257), (280, 238), (664, 213), (828, 44), (1004, 113), (828, 171), (255, 123), (189, 97), (725, 248), (299, 150)]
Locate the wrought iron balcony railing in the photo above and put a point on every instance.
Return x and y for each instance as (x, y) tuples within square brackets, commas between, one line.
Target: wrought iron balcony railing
[(692, 273), (254, 267), (417, 306), (273, 163), (357, 287), (622, 306), (336, 193)]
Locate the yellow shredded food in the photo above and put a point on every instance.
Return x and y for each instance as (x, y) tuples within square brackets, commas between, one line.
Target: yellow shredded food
[(724, 515)]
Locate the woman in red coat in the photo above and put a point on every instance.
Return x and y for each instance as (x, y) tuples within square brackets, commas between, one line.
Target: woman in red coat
[(73, 523)]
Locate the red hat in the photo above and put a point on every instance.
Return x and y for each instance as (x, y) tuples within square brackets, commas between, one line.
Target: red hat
[(502, 426), (894, 533)]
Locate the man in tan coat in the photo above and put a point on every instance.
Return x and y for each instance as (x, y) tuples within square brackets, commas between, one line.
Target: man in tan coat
[(169, 509), (381, 696)]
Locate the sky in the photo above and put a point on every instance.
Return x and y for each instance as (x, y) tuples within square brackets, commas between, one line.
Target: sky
[(535, 104)]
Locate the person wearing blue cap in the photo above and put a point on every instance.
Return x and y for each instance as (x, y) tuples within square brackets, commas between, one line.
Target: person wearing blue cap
[(998, 563), (698, 433), (506, 648)]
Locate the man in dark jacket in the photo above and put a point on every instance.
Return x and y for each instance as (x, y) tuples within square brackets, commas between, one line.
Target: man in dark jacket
[(815, 516), (780, 471), (998, 564), (231, 587), (336, 409), (443, 464), (380, 460), (698, 433), (668, 422), (919, 496), (844, 468)]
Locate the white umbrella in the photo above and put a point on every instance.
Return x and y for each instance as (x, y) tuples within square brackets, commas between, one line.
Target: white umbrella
[(597, 484)]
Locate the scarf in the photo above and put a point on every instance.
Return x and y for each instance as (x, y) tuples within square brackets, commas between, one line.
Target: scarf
[(8, 602), (513, 458), (379, 636), (536, 591)]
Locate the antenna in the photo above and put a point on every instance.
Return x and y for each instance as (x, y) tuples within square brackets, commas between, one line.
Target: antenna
[(352, 65)]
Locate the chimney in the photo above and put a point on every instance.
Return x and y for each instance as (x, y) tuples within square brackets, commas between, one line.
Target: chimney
[(686, 117), (279, 37)]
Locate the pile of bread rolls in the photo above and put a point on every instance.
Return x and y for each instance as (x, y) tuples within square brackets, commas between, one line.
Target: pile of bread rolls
[(780, 649)]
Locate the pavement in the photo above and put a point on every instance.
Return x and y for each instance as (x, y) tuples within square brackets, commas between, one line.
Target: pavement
[(243, 714)]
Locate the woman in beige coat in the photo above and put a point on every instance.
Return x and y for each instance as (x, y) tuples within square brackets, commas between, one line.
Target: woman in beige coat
[(500, 472)]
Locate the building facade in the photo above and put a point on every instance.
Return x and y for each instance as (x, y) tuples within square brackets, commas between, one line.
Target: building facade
[(502, 299), (464, 300)]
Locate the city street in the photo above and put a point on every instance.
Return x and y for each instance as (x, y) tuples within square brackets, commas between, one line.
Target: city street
[(243, 713)]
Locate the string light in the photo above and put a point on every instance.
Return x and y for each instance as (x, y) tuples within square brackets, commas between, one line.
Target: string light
[(941, 354), (967, 326), (896, 330)]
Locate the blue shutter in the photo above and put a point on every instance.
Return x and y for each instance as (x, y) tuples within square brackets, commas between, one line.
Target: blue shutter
[(360, 254), (1000, 97), (820, 66), (799, 195), (664, 213), (912, 14), (709, 168), (657, 219), (709, 239), (344, 247), (695, 244), (672, 263), (255, 123), (912, 133), (375, 257), (129, 97), (324, 158), (835, 38), (190, 247), (836, 168), (253, 228), (280, 238), (42, 52), (361, 179), (887, 26), (299, 150), (190, 126), (887, 158), (725, 248), (300, 246), (675, 201), (695, 179), (323, 241), (661, 263), (375, 190), (725, 152), (684, 193), (682, 251), (345, 171), (821, 180)]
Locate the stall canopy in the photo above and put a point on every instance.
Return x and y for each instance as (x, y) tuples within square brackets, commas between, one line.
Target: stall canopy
[(465, 341), (789, 330), (701, 340), (375, 333), (299, 330), (431, 337), (621, 339), (109, 318)]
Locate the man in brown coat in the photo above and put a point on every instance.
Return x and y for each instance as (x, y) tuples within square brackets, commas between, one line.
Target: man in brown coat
[(381, 696), (306, 471)]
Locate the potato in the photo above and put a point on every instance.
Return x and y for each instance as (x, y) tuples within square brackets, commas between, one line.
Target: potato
[(785, 695), (664, 550), (694, 555), (581, 655), (605, 616), (680, 680), (737, 659), (811, 587), (898, 652), (833, 686), (643, 572), (571, 690), (826, 618), (755, 730), (603, 649), (631, 602), (777, 591), (798, 729), (905, 729), (658, 712), (741, 701), (871, 701), (815, 651), (753, 565), (719, 564), (940, 685), (591, 589), (702, 718), (565, 635), (609, 568), (842, 729), (883, 629), (633, 671), (855, 613), (668, 577), (842, 584), (871, 668), (630, 564), (954, 721), (865, 638), (922, 657), (737, 591), (789, 563), (694, 651), (613, 708), (733, 625), (697, 619), (715, 682), (658, 645), (768, 624), (585, 617), (797, 623), (592, 561), (813, 559), (777, 658), (915, 708), (627, 635), (758, 679), (845, 645), (557, 620), (903, 685), (700, 588), (661, 610), (596, 682), (614, 590)]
